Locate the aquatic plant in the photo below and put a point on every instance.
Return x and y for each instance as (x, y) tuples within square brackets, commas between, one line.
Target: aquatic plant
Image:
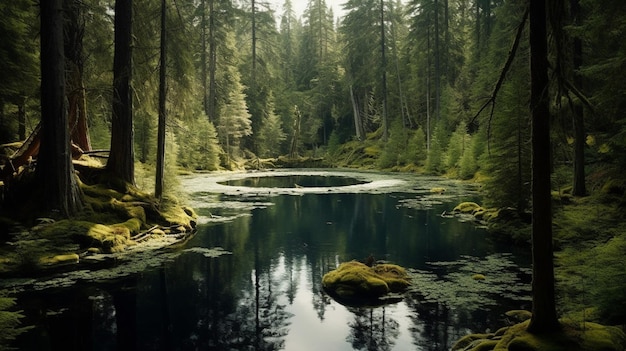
[(472, 283)]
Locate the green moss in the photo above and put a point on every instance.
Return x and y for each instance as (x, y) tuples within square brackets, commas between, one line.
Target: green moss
[(594, 275), (356, 280), (469, 339), (571, 337), (60, 259), (466, 207), (87, 234), (478, 277), (100, 191), (518, 315), (485, 345), (614, 187), (173, 213), (133, 225)]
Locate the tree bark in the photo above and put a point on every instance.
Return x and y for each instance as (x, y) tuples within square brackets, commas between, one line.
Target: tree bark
[(203, 63), (160, 160), (384, 70), (293, 150), (74, 33), (212, 62), (544, 318), (358, 122), (21, 118), (578, 188), (59, 193), (122, 156), (437, 64)]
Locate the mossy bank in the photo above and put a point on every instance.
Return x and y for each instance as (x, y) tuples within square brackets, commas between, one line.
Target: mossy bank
[(115, 216)]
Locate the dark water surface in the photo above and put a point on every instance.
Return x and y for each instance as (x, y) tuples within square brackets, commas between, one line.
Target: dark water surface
[(267, 294)]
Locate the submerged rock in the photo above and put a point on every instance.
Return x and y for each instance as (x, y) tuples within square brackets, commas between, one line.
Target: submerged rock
[(356, 281)]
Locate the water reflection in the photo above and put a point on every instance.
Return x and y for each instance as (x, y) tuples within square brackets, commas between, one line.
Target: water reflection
[(267, 295)]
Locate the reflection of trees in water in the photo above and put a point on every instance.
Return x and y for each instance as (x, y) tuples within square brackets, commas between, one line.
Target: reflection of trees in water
[(259, 321), (432, 327), (372, 330), (319, 299), (436, 326)]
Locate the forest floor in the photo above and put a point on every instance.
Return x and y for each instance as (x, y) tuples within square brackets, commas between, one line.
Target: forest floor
[(117, 217)]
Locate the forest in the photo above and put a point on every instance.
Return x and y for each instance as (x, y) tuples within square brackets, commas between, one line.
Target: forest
[(131, 94)]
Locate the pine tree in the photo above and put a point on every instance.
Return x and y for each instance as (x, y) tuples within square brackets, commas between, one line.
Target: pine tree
[(271, 134), (234, 120), (19, 63)]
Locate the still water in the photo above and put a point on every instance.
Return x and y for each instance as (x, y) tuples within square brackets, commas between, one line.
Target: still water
[(265, 293)]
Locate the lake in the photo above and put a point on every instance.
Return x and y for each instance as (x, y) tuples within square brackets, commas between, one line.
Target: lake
[(250, 278)]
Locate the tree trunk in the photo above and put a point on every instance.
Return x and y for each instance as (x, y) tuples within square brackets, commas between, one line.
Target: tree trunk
[(160, 160), (122, 156), (293, 151), (253, 73), (74, 32), (578, 188), (437, 64), (212, 62), (384, 70), (21, 119), (478, 36), (203, 63), (358, 122), (59, 193), (428, 72), (544, 318)]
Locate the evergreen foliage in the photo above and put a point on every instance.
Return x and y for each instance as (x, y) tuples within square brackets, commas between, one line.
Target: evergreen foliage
[(435, 162), (395, 151), (9, 322), (271, 134), (416, 151)]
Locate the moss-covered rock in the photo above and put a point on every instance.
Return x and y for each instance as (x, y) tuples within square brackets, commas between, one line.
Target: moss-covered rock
[(573, 336), (478, 276), (71, 258), (438, 190), (466, 207), (356, 281), (109, 238)]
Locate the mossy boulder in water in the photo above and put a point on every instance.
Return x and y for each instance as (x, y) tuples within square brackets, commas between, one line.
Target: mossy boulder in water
[(573, 336), (357, 281), (467, 207)]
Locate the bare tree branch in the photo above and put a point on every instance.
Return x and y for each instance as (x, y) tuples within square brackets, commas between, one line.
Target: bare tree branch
[(505, 69)]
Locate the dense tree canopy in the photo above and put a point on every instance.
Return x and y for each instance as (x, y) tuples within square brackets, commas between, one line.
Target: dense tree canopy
[(416, 71)]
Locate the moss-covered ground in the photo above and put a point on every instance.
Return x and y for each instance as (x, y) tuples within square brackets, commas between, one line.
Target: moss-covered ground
[(116, 215), (573, 336)]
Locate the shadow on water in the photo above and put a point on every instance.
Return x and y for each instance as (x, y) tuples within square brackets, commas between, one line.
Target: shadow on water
[(267, 294)]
